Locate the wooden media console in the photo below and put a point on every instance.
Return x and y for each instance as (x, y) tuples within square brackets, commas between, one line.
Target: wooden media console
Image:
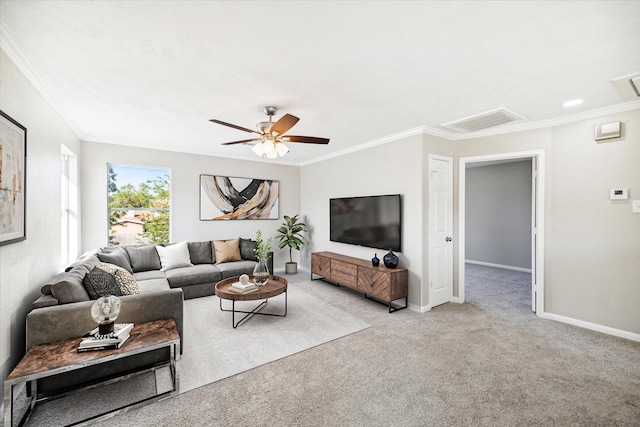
[(380, 283)]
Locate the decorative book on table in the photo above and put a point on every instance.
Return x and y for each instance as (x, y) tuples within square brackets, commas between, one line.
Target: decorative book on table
[(92, 341), (240, 288)]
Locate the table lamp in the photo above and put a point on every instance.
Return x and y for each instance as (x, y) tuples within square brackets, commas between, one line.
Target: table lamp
[(105, 311)]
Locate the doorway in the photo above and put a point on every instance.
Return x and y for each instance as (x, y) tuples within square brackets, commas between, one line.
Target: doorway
[(536, 229)]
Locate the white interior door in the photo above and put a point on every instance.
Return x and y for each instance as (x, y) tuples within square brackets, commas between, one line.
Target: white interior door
[(534, 234), (440, 230)]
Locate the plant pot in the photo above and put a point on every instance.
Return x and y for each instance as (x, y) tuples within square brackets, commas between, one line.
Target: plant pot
[(291, 267)]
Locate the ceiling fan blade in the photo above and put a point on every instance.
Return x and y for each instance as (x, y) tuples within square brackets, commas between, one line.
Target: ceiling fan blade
[(234, 126), (306, 139), (241, 142), (285, 123)]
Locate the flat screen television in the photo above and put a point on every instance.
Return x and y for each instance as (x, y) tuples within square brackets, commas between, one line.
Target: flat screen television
[(371, 221)]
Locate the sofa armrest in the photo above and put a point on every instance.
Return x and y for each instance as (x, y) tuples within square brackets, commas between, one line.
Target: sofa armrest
[(49, 324)]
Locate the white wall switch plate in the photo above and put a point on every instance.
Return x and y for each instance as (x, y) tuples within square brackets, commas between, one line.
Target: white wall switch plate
[(635, 207)]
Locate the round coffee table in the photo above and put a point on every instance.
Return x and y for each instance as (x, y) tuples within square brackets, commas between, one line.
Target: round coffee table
[(275, 286)]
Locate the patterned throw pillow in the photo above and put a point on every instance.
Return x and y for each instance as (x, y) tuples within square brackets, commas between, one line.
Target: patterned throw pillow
[(124, 279), (100, 283)]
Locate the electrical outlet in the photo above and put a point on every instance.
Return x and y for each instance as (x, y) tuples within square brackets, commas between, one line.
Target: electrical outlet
[(635, 207)]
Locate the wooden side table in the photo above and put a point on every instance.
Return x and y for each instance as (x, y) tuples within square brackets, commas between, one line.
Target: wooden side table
[(276, 285), (45, 360)]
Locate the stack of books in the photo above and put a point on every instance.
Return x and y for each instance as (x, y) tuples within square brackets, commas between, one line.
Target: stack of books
[(243, 288), (92, 341)]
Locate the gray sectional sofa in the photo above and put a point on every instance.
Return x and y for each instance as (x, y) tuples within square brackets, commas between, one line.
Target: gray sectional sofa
[(63, 309)]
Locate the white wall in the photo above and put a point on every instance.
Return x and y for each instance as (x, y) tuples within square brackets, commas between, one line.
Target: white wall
[(498, 214), (592, 244), (392, 168), (185, 193), (25, 265)]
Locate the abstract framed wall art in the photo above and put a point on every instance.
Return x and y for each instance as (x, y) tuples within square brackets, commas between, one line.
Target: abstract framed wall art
[(13, 175), (227, 198)]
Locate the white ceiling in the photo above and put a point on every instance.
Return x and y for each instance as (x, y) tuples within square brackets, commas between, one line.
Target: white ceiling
[(152, 73)]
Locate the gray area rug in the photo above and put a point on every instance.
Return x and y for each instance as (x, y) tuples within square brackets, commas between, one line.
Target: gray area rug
[(215, 350), (488, 362)]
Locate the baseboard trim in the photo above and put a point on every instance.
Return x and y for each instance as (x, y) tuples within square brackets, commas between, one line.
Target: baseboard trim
[(419, 308), (456, 300), (592, 326), (505, 267)]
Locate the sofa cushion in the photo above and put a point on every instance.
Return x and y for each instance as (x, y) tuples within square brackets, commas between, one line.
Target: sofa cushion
[(174, 256), (87, 257), (143, 258), (69, 287), (149, 275), (118, 257), (153, 285), (44, 301), (237, 268), (46, 288), (200, 252), (124, 279), (247, 249), (201, 273), (227, 250)]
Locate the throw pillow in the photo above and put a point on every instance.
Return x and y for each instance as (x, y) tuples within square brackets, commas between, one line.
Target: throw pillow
[(200, 252), (227, 250), (247, 247), (174, 256), (99, 283), (124, 279), (118, 257), (143, 258)]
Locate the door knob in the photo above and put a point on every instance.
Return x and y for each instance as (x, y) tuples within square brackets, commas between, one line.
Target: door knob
[(448, 239)]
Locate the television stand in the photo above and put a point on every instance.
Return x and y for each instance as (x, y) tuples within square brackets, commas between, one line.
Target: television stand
[(380, 284)]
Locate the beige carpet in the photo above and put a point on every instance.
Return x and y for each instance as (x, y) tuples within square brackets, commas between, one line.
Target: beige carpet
[(215, 350), (487, 363)]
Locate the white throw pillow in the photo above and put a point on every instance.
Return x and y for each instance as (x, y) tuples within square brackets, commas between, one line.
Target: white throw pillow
[(174, 256)]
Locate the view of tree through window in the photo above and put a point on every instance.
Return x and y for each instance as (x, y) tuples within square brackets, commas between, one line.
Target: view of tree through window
[(139, 204)]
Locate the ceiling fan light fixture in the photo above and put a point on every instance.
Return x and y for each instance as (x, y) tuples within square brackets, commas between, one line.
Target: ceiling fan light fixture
[(270, 135), (281, 149), (269, 146), (272, 155), (258, 149)]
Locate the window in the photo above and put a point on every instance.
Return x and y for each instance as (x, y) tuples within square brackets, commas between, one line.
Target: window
[(139, 201), (68, 206)]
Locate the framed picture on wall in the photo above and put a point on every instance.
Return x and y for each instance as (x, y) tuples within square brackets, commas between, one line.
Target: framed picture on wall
[(227, 198), (13, 180)]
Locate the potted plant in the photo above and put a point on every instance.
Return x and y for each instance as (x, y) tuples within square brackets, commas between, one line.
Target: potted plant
[(261, 271), (289, 235)]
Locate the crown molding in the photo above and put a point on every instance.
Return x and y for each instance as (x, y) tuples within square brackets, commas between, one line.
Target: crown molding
[(375, 142), (177, 149), (14, 53), (586, 115)]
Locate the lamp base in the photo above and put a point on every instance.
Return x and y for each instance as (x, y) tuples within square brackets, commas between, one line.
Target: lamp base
[(106, 328)]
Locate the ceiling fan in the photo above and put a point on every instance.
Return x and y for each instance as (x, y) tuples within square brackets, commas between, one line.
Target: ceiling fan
[(269, 137)]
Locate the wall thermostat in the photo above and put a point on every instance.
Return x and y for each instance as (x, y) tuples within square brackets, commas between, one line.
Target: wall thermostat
[(618, 194)]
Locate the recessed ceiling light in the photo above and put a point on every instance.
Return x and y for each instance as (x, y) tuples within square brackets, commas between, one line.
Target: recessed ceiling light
[(572, 103)]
